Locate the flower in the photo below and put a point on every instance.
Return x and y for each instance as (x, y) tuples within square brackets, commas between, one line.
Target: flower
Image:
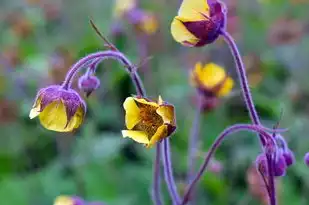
[(149, 23), (280, 166), (58, 109), (88, 84), (289, 157), (211, 80), (147, 121), (68, 200), (306, 159), (198, 22), (123, 6)]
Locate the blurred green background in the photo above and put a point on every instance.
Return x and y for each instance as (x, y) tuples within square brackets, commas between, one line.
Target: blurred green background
[(41, 39)]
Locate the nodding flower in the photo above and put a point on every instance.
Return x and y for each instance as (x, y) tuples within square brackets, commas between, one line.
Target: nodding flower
[(121, 7), (199, 22), (59, 109), (148, 121), (211, 80)]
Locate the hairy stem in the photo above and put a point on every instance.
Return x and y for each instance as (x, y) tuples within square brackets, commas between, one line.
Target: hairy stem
[(271, 179), (156, 192), (214, 147), (168, 172), (105, 55), (243, 80)]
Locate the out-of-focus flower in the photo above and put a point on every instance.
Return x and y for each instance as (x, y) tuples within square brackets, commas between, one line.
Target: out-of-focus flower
[(68, 200), (7, 111), (88, 84), (211, 80), (147, 121), (58, 109), (149, 23), (285, 31), (198, 22), (123, 6), (20, 24)]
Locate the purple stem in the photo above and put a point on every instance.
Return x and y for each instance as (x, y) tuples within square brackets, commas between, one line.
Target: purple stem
[(271, 179), (105, 55), (215, 145), (193, 140), (168, 172), (156, 196), (249, 102), (243, 79)]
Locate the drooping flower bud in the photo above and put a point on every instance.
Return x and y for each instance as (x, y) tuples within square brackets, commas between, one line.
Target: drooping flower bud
[(198, 22), (280, 166), (306, 159), (289, 157), (59, 109), (88, 84)]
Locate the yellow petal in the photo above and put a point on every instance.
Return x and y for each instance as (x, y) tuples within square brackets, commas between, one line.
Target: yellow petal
[(64, 200), (226, 87), (160, 134), (160, 100), (212, 75), (138, 136), (181, 34), (132, 112), (54, 117), (35, 111), (167, 113), (149, 24), (144, 101), (193, 10)]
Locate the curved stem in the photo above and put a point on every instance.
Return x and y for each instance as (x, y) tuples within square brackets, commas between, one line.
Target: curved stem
[(193, 140), (156, 196), (168, 173), (215, 145), (243, 80), (105, 55)]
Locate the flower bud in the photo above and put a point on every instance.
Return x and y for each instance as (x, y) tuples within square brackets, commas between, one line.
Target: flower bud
[(289, 157), (280, 166), (88, 84), (59, 109), (306, 159), (261, 164)]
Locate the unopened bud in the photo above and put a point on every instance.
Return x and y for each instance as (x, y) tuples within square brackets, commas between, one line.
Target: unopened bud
[(88, 84)]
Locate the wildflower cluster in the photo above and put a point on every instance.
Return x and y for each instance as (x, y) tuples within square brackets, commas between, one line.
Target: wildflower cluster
[(198, 23)]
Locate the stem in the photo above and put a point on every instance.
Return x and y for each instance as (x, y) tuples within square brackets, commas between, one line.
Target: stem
[(271, 180), (193, 140), (214, 147), (243, 80), (104, 55), (156, 196), (168, 173)]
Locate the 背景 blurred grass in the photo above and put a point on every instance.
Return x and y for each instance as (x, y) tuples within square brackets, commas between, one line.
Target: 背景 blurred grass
[(41, 39)]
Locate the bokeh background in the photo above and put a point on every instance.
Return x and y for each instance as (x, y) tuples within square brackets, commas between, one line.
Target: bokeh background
[(41, 39)]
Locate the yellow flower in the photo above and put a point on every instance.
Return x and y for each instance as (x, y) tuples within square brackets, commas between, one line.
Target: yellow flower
[(123, 6), (198, 22), (211, 80), (147, 121), (58, 109), (149, 23), (64, 200)]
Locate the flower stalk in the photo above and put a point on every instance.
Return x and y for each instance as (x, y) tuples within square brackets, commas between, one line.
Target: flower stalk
[(214, 147), (168, 172)]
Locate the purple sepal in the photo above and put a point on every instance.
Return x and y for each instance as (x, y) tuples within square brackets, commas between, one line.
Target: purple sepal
[(289, 157), (306, 159), (280, 166), (261, 164), (88, 84)]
